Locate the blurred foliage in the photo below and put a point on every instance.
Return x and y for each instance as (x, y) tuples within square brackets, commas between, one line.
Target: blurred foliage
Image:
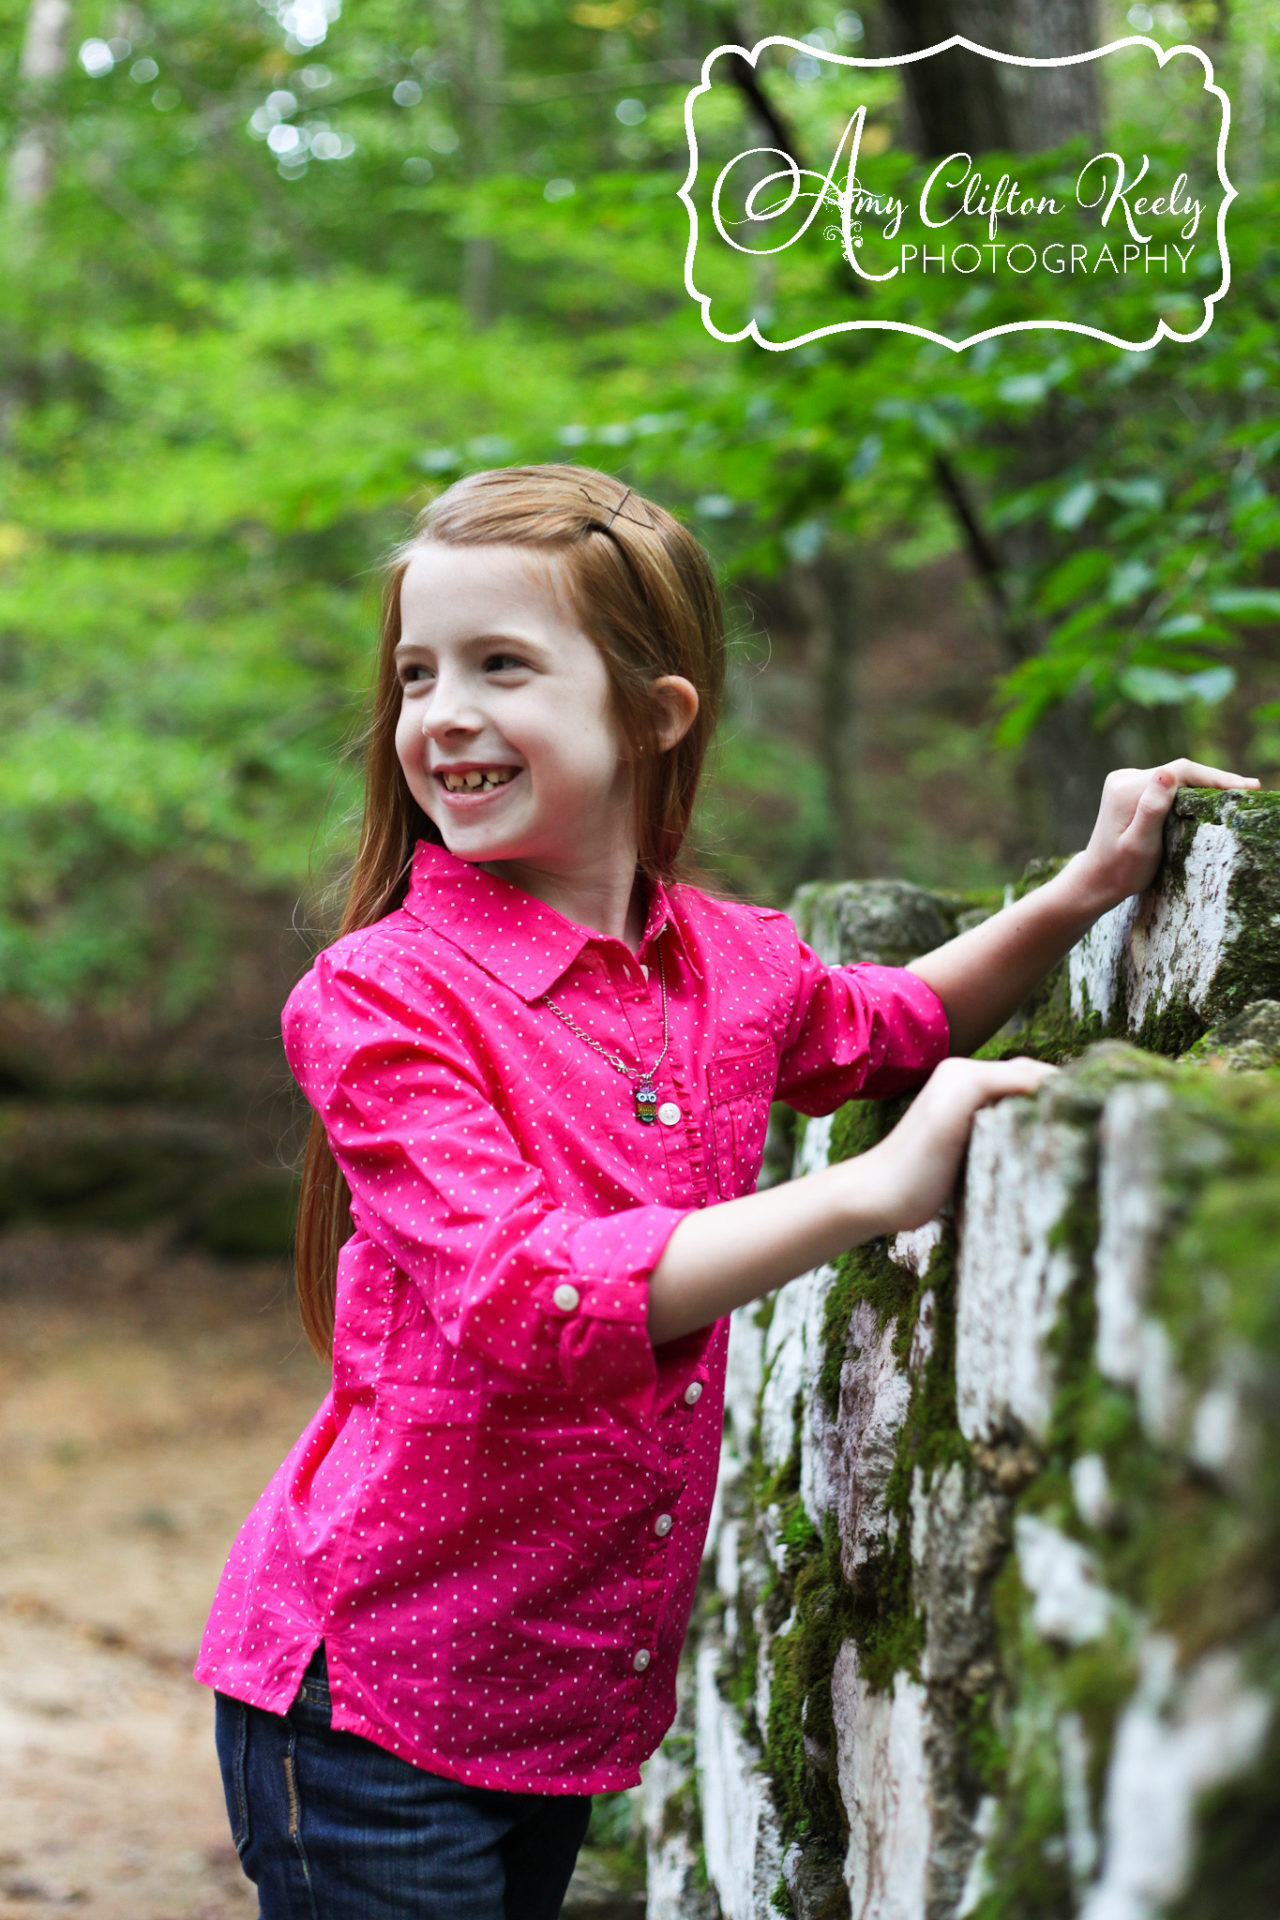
[(298, 268)]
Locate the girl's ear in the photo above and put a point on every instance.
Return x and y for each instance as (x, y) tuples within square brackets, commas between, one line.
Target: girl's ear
[(677, 702)]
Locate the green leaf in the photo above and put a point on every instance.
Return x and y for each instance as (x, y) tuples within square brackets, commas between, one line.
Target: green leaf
[(1072, 577), (1251, 606), (1189, 626), (1130, 579), (1153, 687), (1023, 389), (1074, 506), (1146, 491)]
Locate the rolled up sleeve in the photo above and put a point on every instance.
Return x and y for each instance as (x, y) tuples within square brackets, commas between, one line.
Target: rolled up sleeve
[(547, 1293), (857, 1032)]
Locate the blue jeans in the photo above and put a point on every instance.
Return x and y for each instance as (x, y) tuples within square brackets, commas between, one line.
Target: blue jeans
[(330, 1826)]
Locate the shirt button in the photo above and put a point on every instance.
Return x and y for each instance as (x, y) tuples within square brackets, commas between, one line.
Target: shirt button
[(693, 1393), (668, 1113), (663, 1524), (642, 1659), (566, 1297)]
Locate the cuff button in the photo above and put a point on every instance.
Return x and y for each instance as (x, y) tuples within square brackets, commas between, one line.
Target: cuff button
[(566, 1297)]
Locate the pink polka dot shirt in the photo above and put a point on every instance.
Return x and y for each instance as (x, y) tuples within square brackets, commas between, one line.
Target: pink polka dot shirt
[(496, 1517)]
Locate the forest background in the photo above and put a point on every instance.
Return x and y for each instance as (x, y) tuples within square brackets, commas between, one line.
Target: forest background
[(272, 273)]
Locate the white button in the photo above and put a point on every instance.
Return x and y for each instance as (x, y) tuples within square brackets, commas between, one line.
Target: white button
[(566, 1296), (692, 1393), (668, 1113), (663, 1524), (642, 1659)]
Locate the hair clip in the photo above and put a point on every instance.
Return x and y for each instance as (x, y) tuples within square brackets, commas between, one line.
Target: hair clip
[(650, 524)]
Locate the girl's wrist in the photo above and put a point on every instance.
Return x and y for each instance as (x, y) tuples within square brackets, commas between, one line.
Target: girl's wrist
[(1087, 891), (873, 1193)]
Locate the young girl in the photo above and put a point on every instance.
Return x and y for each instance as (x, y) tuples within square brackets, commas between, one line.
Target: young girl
[(541, 1066)]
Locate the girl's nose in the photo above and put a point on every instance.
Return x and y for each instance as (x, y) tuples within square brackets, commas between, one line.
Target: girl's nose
[(449, 709)]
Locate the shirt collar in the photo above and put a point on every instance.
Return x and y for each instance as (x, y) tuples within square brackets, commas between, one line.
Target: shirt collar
[(513, 935)]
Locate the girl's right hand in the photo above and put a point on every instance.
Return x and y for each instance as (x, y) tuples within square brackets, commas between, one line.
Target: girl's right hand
[(918, 1162)]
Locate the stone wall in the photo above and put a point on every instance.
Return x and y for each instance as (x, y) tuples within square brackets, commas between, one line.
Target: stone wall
[(989, 1618)]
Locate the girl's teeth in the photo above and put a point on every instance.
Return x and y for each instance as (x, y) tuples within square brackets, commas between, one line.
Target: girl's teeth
[(468, 782)]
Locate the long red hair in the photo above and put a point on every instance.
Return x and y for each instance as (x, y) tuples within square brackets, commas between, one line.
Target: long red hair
[(645, 591)]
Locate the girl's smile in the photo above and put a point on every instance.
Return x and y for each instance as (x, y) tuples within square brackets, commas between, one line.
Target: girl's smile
[(471, 787)]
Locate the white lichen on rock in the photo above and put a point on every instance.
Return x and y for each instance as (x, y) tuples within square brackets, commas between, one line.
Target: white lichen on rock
[(1176, 1738), (1163, 946), (1146, 1150), (793, 1359), (914, 1248), (862, 1443), (1133, 1207), (884, 1783), (1069, 1601), (739, 1820), (1025, 1170), (1091, 1487)]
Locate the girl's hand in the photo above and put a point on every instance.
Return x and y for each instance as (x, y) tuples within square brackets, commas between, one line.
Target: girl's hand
[(1123, 854), (918, 1162)]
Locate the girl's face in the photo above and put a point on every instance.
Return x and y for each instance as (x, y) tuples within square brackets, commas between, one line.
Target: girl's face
[(495, 673)]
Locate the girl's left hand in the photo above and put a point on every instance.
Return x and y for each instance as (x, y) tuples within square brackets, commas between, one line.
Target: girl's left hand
[(1127, 841)]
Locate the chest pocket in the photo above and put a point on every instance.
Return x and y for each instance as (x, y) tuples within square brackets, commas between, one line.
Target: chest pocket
[(740, 1088)]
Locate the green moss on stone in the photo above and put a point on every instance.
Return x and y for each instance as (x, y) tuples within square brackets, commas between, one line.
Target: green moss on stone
[(862, 1273), (1025, 1859), (1254, 819), (780, 1900), (800, 1697), (680, 1813), (886, 1625), (1074, 1335), (861, 1124), (797, 1532)]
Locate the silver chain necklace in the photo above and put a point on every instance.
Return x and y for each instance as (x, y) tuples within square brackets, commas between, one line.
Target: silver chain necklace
[(646, 1098)]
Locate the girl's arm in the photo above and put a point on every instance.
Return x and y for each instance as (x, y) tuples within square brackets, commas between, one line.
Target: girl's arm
[(728, 1254), (982, 976)]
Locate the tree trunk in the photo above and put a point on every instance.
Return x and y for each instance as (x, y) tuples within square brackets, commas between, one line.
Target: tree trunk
[(484, 71), (29, 175), (962, 102), (825, 590), (44, 58)]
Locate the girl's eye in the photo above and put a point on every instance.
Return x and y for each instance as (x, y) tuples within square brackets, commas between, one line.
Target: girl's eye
[(502, 661)]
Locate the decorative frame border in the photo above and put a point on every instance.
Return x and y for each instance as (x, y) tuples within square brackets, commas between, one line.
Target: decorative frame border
[(751, 331)]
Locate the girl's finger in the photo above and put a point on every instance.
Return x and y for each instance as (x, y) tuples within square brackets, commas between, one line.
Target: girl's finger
[(1191, 773)]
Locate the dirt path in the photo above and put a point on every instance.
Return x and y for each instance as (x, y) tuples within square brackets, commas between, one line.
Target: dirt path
[(147, 1394)]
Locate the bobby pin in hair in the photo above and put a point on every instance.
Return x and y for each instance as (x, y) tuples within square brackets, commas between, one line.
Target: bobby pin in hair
[(649, 523)]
